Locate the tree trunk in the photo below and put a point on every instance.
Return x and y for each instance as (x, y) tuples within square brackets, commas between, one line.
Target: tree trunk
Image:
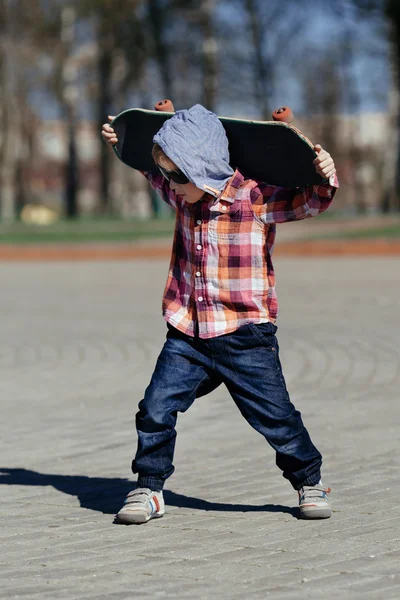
[(209, 53), (69, 99), (103, 107), (262, 69), (396, 203), (72, 180), (393, 13), (158, 20), (9, 113)]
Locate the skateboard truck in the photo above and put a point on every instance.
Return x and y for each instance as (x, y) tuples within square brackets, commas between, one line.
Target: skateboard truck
[(283, 114), (164, 106)]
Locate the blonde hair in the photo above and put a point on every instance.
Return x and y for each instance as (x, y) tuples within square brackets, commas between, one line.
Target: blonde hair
[(160, 158)]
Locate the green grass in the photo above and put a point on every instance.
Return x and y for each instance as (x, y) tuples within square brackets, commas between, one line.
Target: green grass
[(388, 232), (103, 230), (84, 230)]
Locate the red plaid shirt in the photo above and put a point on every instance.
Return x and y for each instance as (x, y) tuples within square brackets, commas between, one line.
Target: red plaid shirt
[(221, 274)]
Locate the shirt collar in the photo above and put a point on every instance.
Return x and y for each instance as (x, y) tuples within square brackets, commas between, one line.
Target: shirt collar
[(229, 193)]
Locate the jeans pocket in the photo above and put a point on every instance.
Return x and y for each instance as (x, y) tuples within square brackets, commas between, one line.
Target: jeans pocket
[(265, 333)]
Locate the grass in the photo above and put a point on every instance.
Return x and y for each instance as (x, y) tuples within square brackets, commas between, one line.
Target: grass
[(385, 231), (85, 230), (107, 230)]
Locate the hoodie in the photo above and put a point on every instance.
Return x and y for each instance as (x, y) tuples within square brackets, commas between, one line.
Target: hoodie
[(195, 140)]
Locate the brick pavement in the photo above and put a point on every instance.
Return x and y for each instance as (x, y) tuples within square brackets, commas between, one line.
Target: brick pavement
[(78, 345)]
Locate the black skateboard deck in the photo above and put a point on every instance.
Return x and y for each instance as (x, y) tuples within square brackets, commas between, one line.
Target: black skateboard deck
[(273, 152)]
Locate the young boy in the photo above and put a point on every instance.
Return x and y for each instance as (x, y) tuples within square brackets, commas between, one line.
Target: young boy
[(220, 306)]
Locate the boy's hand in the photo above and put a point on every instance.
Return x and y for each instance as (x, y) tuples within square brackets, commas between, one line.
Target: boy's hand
[(108, 132), (324, 164)]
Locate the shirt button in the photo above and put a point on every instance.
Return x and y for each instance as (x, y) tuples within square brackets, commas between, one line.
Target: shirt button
[(198, 274), (199, 247), (224, 208), (200, 298), (199, 222)]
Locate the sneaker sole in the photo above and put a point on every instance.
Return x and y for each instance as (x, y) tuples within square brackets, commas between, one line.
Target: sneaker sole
[(315, 513), (137, 517)]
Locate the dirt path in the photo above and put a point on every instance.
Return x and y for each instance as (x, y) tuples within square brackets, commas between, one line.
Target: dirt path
[(96, 252)]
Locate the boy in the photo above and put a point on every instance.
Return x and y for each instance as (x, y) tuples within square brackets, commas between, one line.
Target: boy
[(220, 306)]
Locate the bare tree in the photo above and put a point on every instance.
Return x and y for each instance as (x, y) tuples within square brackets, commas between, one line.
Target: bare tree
[(9, 113), (19, 52), (386, 15), (120, 60), (320, 80), (392, 10), (188, 69), (157, 15), (55, 39), (271, 34), (349, 48), (209, 53), (263, 71), (69, 97)]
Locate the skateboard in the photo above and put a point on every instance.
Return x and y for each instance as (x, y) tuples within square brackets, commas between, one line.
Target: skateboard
[(274, 151)]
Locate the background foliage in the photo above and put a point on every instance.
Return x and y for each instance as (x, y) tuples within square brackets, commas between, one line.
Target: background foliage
[(76, 61)]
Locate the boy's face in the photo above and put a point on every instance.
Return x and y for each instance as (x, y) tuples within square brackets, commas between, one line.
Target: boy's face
[(188, 191)]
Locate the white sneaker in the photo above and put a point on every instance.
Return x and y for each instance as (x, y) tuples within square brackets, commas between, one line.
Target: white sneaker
[(141, 505), (314, 502)]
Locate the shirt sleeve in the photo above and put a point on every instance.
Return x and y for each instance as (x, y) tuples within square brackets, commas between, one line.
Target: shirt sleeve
[(273, 204), (160, 185)]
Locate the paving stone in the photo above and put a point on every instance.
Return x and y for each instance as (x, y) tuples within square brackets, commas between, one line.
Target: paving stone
[(78, 346)]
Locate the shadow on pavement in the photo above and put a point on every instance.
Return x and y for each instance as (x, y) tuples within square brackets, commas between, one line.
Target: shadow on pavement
[(106, 495)]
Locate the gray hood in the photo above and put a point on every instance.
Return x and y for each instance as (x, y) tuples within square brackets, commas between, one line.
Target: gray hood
[(195, 140)]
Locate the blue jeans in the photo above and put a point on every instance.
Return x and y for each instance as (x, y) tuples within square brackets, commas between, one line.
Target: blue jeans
[(247, 362)]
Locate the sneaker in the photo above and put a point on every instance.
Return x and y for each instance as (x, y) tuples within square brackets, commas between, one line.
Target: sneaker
[(141, 505), (314, 503)]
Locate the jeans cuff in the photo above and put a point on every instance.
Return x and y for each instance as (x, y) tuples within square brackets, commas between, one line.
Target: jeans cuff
[(155, 484), (312, 480)]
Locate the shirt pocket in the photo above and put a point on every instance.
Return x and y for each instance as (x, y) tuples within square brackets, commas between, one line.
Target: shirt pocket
[(225, 221)]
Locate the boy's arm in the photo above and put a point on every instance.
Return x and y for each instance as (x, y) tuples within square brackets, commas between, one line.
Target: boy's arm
[(161, 186), (157, 182), (273, 204)]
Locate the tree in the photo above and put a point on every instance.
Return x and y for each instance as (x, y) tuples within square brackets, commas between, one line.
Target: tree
[(386, 14), (392, 10), (267, 45), (69, 97), (18, 56), (119, 62), (55, 35), (10, 126)]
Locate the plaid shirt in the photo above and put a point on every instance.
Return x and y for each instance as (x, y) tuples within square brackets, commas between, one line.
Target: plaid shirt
[(221, 274)]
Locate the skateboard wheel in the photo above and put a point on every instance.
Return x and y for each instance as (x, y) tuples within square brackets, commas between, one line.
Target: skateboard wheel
[(164, 106), (283, 114)]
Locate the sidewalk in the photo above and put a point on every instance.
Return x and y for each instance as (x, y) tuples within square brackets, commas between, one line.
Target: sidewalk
[(78, 346)]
